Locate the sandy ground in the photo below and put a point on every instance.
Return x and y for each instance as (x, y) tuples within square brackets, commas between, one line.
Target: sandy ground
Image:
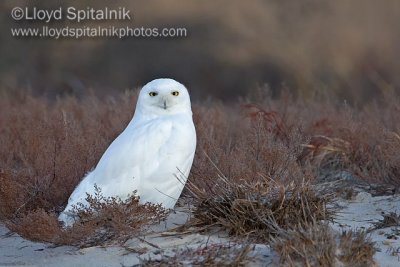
[(16, 251), (361, 212), (358, 213)]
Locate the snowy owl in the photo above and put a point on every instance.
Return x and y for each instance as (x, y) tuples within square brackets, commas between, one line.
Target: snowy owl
[(153, 155)]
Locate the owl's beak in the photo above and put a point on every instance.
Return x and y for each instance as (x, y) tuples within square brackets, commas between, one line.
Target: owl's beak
[(165, 104)]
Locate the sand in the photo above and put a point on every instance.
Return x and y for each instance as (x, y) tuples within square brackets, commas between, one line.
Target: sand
[(17, 251), (361, 212), (358, 213)]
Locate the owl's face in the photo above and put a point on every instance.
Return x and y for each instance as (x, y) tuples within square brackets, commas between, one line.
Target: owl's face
[(163, 96)]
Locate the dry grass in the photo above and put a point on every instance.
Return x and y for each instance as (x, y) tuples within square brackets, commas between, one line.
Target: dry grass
[(308, 245), (315, 245), (46, 148), (259, 211), (253, 171), (356, 249), (389, 219), (363, 142)]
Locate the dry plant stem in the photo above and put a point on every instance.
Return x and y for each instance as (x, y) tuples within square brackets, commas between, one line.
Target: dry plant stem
[(316, 245)]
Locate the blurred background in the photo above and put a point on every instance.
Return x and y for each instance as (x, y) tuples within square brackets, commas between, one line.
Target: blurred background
[(348, 48)]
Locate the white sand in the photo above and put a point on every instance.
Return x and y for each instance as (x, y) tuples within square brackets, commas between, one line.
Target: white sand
[(361, 212)]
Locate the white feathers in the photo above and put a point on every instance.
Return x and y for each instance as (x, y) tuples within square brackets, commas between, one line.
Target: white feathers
[(153, 155)]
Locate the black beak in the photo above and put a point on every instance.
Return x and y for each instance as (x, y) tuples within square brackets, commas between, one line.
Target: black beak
[(165, 104)]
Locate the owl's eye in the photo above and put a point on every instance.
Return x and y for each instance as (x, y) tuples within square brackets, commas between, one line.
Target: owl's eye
[(175, 93), (153, 93)]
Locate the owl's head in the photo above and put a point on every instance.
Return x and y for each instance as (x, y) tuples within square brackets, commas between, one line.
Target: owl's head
[(163, 97)]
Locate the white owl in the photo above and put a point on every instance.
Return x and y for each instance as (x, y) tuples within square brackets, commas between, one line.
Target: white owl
[(153, 155)]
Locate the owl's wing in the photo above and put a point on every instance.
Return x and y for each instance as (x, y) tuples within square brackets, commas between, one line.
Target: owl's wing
[(134, 151), (164, 183)]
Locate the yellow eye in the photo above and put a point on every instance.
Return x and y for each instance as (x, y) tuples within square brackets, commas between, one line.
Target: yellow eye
[(153, 93), (175, 93)]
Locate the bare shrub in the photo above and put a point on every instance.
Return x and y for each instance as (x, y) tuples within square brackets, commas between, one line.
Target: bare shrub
[(103, 220), (309, 245), (388, 220), (361, 141), (37, 225), (316, 245), (356, 249), (259, 211), (249, 178), (46, 148)]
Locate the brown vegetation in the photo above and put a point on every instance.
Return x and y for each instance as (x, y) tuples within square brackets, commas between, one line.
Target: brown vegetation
[(356, 249), (315, 245), (388, 220), (259, 211), (253, 172), (105, 220)]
